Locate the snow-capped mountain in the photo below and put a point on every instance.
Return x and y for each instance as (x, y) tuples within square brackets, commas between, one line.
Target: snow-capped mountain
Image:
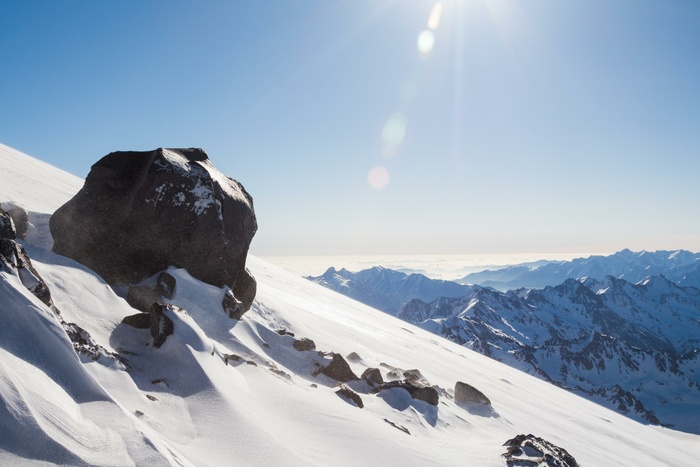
[(386, 289), (634, 348), (680, 266), (274, 388)]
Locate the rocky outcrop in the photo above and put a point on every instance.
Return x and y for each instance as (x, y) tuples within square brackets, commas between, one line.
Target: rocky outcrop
[(15, 260), (350, 395), (141, 212), (529, 450)]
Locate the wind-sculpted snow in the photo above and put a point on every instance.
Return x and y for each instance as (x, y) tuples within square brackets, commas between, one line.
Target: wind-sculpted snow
[(237, 392)]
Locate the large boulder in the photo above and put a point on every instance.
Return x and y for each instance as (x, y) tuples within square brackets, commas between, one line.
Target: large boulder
[(141, 212)]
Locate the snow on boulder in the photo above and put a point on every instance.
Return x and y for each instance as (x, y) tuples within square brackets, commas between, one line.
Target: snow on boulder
[(141, 212)]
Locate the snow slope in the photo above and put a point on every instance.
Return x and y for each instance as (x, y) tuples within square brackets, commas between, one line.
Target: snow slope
[(186, 403)]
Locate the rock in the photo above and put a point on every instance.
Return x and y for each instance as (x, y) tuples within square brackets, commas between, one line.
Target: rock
[(138, 321), (232, 306), (141, 212), (372, 376), (230, 357), (526, 450), (348, 393), (284, 332), (161, 325), (415, 376), (7, 226), (166, 285), (304, 344), (354, 357), (339, 370), (142, 297), (19, 217), (467, 393), (417, 391)]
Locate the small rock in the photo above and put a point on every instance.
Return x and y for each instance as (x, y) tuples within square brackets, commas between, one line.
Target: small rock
[(7, 226), (142, 297), (231, 357), (467, 393), (531, 450), (161, 325), (152, 398), (424, 393), (19, 217), (339, 370), (372, 376), (138, 321), (354, 357), (284, 332), (348, 393), (304, 344), (166, 285), (397, 426), (232, 306)]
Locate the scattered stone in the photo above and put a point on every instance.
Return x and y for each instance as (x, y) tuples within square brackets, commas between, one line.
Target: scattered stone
[(398, 427), (161, 325), (468, 393), (266, 345), (160, 382), (284, 332), (313, 385), (529, 450), (354, 357), (424, 393), (351, 395), (304, 344), (231, 357), (372, 376), (250, 362), (141, 212), (415, 376), (138, 321), (152, 398), (166, 285), (339, 370)]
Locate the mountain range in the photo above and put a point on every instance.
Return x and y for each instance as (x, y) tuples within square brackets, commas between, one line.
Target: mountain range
[(632, 347), (305, 377), (680, 266)]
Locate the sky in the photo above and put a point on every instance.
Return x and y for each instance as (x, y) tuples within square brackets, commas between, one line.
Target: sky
[(368, 127)]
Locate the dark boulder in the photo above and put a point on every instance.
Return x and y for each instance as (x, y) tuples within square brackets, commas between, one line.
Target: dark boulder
[(467, 393), (339, 370), (141, 212), (372, 376)]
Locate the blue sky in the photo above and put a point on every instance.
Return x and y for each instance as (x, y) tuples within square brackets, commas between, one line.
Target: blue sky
[(529, 127)]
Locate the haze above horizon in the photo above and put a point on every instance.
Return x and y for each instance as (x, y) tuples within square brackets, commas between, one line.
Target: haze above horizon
[(380, 127)]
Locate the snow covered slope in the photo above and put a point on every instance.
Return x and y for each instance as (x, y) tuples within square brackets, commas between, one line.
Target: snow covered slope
[(225, 392)]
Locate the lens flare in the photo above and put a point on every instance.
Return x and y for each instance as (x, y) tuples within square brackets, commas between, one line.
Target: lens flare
[(434, 18), (394, 130), (378, 177), (426, 41)]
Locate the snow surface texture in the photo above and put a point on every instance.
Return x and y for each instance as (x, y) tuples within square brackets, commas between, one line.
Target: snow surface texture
[(224, 392)]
